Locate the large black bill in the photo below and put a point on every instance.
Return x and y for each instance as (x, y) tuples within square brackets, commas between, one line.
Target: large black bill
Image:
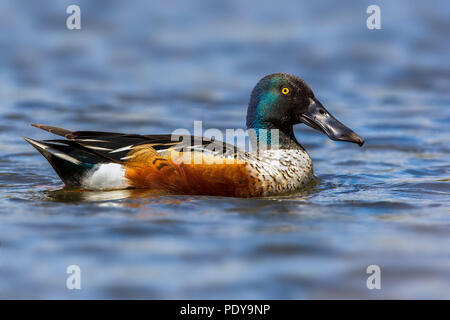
[(319, 118)]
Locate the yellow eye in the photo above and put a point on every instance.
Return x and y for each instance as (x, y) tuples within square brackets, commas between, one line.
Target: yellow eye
[(285, 90)]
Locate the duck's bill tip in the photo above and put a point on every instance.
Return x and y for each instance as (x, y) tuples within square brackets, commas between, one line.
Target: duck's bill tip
[(353, 137)]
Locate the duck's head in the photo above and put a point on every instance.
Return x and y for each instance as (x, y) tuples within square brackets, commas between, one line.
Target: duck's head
[(280, 101)]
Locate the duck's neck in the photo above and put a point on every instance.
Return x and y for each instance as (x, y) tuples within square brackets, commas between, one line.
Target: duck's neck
[(267, 136)]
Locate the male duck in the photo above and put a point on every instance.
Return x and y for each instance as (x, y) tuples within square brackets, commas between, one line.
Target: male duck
[(191, 165)]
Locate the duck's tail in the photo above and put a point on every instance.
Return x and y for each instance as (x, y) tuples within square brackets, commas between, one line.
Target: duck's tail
[(70, 162)]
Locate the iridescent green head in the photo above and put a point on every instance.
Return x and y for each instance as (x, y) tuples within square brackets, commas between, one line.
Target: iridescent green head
[(281, 100)]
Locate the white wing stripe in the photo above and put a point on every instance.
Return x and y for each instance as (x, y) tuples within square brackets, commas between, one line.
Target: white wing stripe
[(122, 149), (125, 158), (90, 140), (97, 148), (66, 157)]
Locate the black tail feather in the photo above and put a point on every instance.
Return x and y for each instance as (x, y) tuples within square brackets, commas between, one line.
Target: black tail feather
[(68, 161)]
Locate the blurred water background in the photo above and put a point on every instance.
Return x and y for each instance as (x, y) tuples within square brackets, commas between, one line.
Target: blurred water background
[(154, 66)]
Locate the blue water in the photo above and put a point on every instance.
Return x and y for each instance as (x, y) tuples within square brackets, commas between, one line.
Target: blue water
[(142, 67)]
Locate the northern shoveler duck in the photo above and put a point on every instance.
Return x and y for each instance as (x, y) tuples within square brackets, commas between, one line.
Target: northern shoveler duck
[(199, 166)]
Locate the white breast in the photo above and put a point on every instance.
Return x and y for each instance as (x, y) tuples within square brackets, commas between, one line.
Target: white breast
[(283, 170)]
